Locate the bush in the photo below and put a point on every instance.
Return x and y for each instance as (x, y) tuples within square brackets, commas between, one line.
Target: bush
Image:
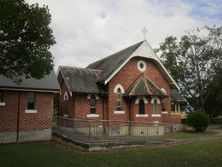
[(198, 120)]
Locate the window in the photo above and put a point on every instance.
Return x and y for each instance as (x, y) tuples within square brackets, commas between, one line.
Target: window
[(92, 103), (173, 107), (163, 104), (119, 100), (141, 107), (141, 65), (155, 106), (1, 97), (31, 100)]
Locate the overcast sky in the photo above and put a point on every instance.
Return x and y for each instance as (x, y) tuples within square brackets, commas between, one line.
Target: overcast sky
[(88, 30)]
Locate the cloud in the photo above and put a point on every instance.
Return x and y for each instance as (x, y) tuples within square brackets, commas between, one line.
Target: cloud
[(89, 30)]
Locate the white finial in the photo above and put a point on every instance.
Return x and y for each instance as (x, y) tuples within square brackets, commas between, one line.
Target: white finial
[(144, 31)]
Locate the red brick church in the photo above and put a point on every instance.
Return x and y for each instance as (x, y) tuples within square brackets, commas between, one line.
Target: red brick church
[(130, 85)]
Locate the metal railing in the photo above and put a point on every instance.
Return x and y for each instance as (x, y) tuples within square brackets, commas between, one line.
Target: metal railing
[(105, 128)]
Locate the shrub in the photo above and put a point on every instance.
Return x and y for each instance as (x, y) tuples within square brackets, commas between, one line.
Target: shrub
[(198, 120)]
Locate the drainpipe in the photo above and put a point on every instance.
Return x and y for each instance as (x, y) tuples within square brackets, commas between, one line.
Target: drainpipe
[(18, 119)]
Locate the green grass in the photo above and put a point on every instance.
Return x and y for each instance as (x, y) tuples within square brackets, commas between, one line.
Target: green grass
[(189, 134), (205, 153), (215, 126)]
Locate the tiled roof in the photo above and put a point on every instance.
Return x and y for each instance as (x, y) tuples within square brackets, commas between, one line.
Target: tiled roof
[(112, 62), (142, 87), (176, 96), (81, 79), (47, 83)]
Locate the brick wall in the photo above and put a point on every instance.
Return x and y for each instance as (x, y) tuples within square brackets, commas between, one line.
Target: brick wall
[(28, 121), (78, 105), (82, 107), (126, 76)]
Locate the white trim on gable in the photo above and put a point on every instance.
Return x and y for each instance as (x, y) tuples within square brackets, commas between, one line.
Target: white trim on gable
[(60, 71), (65, 96), (117, 87), (144, 50)]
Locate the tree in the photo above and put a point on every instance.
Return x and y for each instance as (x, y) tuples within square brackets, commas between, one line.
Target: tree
[(194, 61), (213, 103), (198, 120), (25, 39)]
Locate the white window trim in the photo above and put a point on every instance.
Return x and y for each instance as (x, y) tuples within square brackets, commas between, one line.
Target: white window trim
[(119, 112), (156, 122), (156, 115), (164, 112), (2, 103), (92, 115), (89, 96), (142, 97), (30, 111), (117, 87), (158, 100), (65, 115), (141, 115), (144, 65)]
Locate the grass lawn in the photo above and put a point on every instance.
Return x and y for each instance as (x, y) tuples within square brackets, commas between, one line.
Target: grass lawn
[(189, 134), (205, 153)]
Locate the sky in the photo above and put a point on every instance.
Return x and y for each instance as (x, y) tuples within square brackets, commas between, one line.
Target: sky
[(88, 30)]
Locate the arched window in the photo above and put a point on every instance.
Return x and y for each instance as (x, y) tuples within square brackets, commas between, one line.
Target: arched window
[(155, 106), (141, 107), (119, 100), (163, 104), (92, 103)]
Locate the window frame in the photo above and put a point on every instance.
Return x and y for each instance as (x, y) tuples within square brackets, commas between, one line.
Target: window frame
[(119, 100), (142, 106), (155, 106), (33, 100), (163, 104), (1, 96), (92, 104)]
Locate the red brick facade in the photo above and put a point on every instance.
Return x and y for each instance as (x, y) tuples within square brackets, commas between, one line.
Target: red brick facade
[(78, 106), (27, 121)]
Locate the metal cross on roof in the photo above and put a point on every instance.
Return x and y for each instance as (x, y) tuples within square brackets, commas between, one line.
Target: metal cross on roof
[(144, 31)]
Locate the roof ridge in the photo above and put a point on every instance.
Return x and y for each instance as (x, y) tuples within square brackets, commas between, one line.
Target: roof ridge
[(82, 68), (100, 60)]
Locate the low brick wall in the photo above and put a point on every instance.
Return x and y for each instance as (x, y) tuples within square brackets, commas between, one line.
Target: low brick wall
[(123, 131), (33, 135)]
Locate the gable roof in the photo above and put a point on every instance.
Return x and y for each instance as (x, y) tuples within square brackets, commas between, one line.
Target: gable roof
[(176, 96), (142, 87), (80, 79), (112, 64), (48, 83)]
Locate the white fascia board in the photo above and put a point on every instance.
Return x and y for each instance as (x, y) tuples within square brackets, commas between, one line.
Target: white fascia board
[(60, 71), (145, 51)]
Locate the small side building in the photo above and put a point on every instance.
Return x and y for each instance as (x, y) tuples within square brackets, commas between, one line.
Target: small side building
[(26, 110)]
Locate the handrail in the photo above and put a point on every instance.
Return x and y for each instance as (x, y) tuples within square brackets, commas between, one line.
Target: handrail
[(111, 121)]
